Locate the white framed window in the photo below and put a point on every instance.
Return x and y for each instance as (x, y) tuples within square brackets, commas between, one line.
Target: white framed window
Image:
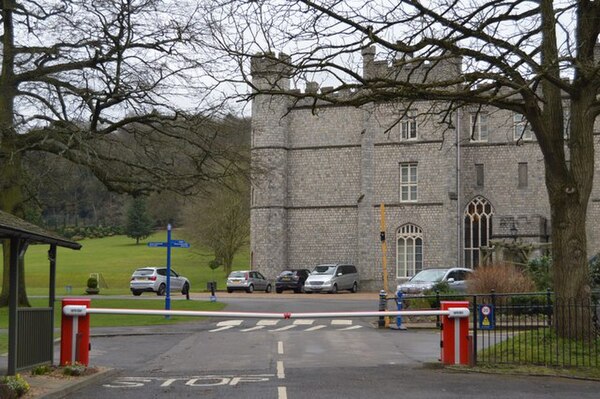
[(477, 229), (522, 129), (409, 250), (408, 126), (479, 126), (408, 182)]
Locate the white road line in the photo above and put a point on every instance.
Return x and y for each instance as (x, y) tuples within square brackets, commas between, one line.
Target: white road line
[(285, 328), (281, 393), (280, 347), (315, 328), (341, 322), (350, 328), (302, 322), (253, 328), (229, 323), (280, 370), (221, 328), (267, 322)]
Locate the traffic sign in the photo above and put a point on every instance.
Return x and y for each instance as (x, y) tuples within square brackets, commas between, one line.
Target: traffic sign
[(157, 244), (486, 317), (180, 244)]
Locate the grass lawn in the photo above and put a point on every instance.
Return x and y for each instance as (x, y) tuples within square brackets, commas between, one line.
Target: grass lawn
[(99, 320), (116, 258)]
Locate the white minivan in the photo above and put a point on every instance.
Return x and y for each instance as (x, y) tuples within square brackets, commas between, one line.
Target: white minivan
[(332, 278)]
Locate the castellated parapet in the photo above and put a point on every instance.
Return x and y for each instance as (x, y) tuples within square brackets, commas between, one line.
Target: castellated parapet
[(271, 72)]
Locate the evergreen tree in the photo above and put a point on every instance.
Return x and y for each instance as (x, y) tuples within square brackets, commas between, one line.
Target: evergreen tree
[(139, 224)]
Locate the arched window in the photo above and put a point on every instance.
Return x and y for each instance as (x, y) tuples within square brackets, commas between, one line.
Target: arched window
[(477, 229), (409, 250)]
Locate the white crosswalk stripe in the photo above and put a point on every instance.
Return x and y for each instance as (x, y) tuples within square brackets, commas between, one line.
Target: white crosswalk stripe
[(298, 324), (315, 328)]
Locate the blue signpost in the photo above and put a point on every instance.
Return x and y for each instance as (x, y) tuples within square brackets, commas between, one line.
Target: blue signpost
[(169, 244)]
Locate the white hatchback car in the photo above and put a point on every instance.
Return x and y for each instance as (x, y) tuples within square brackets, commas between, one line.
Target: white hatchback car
[(154, 279)]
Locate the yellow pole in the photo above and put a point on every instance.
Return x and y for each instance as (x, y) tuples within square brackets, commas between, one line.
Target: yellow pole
[(384, 255)]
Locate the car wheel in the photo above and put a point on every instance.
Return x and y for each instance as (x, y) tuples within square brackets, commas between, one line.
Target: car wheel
[(279, 291), (229, 290), (299, 289), (334, 289), (268, 289), (250, 289), (136, 293), (161, 290), (354, 288), (186, 289)]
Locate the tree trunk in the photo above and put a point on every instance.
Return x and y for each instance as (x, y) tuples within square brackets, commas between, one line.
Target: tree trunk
[(569, 190)]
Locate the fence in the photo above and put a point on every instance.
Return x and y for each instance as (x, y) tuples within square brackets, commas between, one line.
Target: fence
[(526, 328)]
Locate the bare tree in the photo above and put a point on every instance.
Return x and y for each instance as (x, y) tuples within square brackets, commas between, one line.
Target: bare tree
[(100, 83), (220, 220), (538, 59)]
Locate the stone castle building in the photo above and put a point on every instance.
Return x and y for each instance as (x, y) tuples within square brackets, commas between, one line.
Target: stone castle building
[(328, 169)]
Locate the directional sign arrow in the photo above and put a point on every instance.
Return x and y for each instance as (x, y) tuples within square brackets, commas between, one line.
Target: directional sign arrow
[(157, 244), (180, 244)]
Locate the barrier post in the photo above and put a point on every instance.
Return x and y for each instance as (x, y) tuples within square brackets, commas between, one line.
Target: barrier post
[(399, 325), (75, 334), (455, 335), (382, 308)]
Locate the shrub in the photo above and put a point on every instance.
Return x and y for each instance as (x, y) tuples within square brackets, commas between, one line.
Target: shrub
[(41, 370), (75, 369), (92, 286), (92, 282), (13, 386), (540, 271), (502, 278)]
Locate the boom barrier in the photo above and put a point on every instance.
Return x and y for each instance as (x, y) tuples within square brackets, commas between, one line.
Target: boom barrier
[(75, 325)]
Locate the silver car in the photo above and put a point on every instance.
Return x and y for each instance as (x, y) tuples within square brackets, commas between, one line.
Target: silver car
[(426, 279), (332, 278), (154, 279), (247, 280)]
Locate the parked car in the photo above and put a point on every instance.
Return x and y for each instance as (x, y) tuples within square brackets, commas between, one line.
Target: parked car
[(248, 281), (332, 278), (426, 279), (154, 279), (291, 279)]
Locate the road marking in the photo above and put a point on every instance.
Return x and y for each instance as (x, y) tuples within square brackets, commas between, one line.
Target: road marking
[(350, 328), (226, 325), (280, 347), (302, 322), (230, 323), (341, 322), (315, 328), (221, 328), (253, 328), (267, 322), (285, 328), (280, 370), (281, 393)]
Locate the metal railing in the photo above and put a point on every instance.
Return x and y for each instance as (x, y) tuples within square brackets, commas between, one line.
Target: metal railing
[(526, 328)]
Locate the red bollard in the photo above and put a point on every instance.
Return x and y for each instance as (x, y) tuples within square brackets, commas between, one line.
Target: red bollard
[(455, 335), (75, 335)]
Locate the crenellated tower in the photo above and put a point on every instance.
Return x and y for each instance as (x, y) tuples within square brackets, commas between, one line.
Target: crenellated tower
[(269, 146)]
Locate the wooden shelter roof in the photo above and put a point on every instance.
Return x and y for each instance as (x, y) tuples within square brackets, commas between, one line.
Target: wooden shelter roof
[(12, 226)]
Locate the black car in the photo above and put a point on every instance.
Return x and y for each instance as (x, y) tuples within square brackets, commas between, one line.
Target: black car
[(291, 279)]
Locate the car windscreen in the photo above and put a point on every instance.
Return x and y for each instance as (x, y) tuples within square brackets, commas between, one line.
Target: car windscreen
[(428, 276), (324, 270), (143, 272), (237, 274), (287, 273)]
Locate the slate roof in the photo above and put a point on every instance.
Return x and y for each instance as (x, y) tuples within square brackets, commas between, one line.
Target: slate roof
[(12, 226)]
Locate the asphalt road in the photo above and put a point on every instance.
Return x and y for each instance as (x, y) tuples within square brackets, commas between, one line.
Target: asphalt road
[(258, 359)]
